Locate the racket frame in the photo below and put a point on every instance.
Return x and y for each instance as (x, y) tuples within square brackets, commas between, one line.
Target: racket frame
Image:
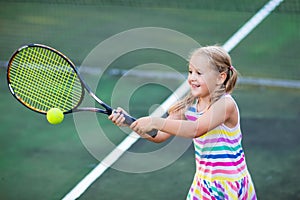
[(84, 87)]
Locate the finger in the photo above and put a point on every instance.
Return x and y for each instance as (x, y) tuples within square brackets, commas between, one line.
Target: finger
[(121, 110), (138, 130), (111, 115), (116, 111), (115, 117), (141, 133), (119, 121), (133, 125)]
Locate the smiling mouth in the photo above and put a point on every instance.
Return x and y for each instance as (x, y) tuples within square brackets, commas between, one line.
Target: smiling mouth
[(195, 85)]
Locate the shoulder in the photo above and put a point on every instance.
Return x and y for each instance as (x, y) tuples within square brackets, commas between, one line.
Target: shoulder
[(231, 109), (226, 106), (228, 101)]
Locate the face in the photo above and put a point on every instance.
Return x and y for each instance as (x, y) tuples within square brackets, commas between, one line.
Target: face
[(202, 78)]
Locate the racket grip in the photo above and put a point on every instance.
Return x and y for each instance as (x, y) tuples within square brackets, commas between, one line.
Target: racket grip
[(129, 120), (153, 133)]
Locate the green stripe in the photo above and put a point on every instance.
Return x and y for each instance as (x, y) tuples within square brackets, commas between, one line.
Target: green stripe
[(219, 148), (218, 192)]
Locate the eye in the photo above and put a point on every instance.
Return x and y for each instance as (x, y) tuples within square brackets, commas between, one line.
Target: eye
[(190, 71), (199, 73)]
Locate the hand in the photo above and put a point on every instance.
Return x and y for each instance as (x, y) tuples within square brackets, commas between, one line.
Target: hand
[(142, 126), (117, 117)]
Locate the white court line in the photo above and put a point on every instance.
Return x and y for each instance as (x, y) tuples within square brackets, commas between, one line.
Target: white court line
[(112, 157), (251, 24)]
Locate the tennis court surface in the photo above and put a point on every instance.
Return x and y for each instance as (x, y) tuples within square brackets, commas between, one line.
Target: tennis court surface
[(42, 161)]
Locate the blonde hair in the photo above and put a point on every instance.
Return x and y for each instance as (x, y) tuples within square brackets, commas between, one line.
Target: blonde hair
[(220, 61)]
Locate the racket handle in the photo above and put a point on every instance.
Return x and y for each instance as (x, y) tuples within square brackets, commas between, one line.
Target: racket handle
[(129, 120), (153, 133)]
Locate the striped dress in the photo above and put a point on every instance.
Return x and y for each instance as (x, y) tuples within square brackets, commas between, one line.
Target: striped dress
[(221, 170)]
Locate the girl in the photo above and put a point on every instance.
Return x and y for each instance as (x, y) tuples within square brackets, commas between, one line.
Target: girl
[(210, 116)]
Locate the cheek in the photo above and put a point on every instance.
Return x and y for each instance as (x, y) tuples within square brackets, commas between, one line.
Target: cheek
[(189, 78), (203, 81), (211, 83)]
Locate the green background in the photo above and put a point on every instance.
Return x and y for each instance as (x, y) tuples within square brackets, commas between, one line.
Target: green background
[(41, 161)]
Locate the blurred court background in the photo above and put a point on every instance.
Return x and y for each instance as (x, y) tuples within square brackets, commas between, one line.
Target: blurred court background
[(40, 161)]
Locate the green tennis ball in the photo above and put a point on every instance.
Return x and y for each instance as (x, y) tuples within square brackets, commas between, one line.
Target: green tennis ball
[(55, 116)]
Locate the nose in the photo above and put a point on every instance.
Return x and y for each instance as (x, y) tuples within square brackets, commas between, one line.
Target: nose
[(192, 76)]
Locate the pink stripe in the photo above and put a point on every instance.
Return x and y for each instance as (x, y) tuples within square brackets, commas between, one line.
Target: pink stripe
[(246, 187), (215, 140), (192, 118), (214, 164), (223, 171), (207, 192), (205, 198), (233, 187)]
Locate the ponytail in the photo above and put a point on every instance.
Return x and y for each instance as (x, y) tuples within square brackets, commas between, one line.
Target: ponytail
[(227, 86), (231, 79)]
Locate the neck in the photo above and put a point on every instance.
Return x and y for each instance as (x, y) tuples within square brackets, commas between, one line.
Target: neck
[(203, 103)]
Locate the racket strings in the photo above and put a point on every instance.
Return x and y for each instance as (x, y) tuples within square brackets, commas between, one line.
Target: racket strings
[(64, 77), (44, 75), (22, 88), (59, 74), (28, 90), (42, 79)]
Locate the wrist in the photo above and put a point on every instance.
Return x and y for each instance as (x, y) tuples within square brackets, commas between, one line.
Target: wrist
[(157, 123)]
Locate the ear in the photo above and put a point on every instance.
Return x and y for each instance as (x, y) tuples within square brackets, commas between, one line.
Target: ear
[(222, 77)]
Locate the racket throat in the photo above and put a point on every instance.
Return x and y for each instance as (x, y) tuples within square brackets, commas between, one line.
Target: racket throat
[(108, 109)]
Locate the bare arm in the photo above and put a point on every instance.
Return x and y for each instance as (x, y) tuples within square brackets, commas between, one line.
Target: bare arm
[(220, 112), (161, 135), (118, 118)]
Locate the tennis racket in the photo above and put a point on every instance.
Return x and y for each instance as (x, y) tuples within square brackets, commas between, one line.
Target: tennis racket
[(41, 78)]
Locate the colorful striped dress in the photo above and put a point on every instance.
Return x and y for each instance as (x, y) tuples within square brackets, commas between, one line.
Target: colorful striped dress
[(221, 170)]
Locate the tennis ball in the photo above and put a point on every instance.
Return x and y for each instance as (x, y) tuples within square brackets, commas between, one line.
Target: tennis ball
[(55, 116)]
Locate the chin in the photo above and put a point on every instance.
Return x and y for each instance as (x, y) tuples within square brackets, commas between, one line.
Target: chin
[(195, 94)]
